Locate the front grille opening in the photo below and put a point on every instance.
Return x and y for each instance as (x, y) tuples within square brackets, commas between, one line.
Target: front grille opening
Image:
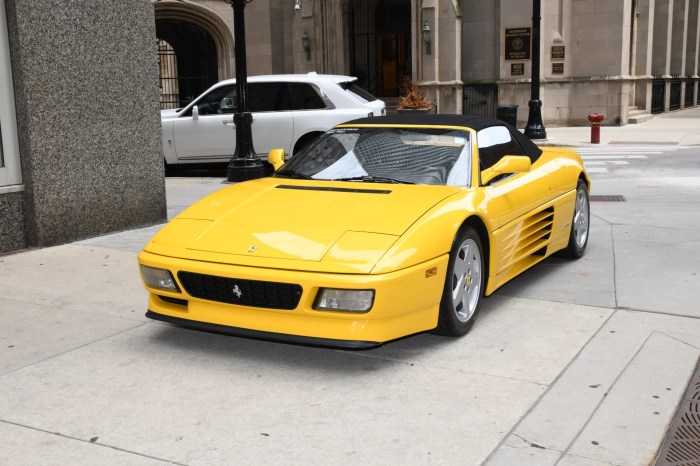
[(178, 301), (607, 198), (253, 293)]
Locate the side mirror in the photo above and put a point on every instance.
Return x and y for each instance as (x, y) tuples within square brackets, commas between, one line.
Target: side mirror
[(507, 165), (195, 113), (276, 158)]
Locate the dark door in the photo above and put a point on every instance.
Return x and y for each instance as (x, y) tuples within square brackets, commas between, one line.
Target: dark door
[(380, 44)]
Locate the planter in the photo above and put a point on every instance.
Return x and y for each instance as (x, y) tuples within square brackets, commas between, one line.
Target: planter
[(413, 110)]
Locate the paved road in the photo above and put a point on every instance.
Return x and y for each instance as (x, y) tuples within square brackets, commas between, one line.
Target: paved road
[(643, 266), (575, 363)]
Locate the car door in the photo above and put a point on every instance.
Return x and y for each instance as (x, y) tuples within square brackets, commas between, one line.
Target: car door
[(514, 195), (208, 136), (273, 118), (519, 201)]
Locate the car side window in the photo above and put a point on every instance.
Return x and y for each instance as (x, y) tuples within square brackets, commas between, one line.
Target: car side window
[(305, 97), (268, 97), (494, 143), (221, 100)]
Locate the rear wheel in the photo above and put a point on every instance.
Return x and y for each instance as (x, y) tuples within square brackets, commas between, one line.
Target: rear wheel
[(464, 285), (578, 238)]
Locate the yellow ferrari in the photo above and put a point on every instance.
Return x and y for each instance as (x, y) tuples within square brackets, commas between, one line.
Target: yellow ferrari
[(381, 228)]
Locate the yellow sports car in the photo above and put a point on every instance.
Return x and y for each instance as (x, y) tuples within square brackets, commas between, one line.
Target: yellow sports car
[(381, 228)]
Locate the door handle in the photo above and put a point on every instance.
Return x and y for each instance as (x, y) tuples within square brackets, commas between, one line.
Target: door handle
[(228, 123)]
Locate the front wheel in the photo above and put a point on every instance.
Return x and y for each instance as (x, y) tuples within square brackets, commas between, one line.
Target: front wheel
[(464, 285), (578, 238)]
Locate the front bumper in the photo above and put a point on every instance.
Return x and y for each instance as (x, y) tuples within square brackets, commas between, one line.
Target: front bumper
[(260, 335), (406, 302)]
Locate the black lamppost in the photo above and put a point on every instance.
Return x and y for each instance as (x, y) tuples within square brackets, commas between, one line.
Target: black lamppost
[(245, 164), (535, 128)]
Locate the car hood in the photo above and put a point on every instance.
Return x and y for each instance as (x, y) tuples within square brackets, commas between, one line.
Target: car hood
[(298, 225)]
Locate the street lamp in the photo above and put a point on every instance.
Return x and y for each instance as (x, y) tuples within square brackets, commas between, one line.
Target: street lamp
[(306, 43), (535, 128), (245, 163), (426, 38)]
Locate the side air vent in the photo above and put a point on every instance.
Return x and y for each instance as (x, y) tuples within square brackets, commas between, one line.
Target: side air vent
[(529, 238)]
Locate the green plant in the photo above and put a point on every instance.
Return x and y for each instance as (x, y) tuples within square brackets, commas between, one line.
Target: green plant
[(412, 96)]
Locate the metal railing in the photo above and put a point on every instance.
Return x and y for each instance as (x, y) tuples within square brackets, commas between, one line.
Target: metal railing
[(480, 99), (169, 86), (658, 94), (675, 89), (689, 89)]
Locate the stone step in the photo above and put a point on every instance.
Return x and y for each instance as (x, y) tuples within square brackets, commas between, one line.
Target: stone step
[(640, 118), (391, 103)]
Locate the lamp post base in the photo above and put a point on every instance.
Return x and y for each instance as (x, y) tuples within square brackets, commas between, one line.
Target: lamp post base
[(535, 128), (244, 170)]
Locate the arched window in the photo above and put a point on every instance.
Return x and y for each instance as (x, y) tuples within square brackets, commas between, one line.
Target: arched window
[(169, 87)]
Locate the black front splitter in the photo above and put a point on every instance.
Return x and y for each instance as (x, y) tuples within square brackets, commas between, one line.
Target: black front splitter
[(268, 336)]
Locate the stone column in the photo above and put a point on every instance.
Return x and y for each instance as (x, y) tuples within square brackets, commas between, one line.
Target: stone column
[(644, 53), (442, 71)]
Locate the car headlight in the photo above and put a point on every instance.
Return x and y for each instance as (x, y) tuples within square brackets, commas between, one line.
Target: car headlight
[(158, 278), (330, 299)]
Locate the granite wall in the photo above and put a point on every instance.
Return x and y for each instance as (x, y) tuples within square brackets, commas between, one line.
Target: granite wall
[(86, 91)]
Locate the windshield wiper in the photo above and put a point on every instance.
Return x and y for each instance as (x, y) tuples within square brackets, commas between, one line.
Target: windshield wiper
[(293, 174), (374, 179)]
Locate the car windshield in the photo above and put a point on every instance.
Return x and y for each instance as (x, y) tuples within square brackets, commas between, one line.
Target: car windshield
[(385, 155)]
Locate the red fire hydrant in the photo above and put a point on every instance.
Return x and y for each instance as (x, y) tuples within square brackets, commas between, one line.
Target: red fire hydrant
[(596, 119)]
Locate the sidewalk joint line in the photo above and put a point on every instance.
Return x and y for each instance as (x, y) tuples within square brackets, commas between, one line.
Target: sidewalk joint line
[(539, 399), (36, 429), (72, 349), (605, 395)]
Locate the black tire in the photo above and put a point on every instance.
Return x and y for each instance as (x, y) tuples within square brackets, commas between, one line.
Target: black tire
[(580, 224), (464, 285)]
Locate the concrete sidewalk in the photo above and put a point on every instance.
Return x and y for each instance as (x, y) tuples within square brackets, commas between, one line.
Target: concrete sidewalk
[(677, 128), (574, 363)]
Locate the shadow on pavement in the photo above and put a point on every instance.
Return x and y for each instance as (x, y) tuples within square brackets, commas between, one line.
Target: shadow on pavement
[(209, 172)]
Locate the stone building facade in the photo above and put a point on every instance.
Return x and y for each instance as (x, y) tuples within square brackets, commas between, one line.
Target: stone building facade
[(80, 149), (80, 134), (625, 58)]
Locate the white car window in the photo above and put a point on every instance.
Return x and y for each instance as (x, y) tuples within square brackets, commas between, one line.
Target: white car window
[(493, 136), (495, 142)]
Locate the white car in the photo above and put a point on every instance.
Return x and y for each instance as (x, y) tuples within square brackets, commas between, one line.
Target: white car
[(288, 111)]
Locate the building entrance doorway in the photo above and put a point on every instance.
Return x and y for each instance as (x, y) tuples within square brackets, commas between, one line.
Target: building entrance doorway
[(187, 59), (380, 44)]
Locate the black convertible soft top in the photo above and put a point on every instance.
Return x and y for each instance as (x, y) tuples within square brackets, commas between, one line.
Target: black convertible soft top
[(477, 123)]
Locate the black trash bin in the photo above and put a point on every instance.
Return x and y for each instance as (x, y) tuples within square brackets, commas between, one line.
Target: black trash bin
[(508, 113)]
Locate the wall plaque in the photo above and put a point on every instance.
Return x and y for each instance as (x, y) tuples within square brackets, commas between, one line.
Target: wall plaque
[(558, 52), (517, 69), (517, 44), (557, 68)]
